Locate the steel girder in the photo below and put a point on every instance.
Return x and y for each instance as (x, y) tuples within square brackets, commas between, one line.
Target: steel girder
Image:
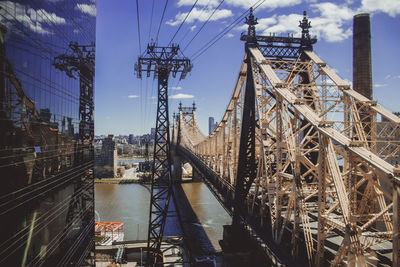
[(349, 196)]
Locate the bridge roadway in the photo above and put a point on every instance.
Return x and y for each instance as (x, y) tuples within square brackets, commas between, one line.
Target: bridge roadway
[(224, 192), (279, 255)]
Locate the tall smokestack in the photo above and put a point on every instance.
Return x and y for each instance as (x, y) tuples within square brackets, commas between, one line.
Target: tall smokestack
[(362, 68)]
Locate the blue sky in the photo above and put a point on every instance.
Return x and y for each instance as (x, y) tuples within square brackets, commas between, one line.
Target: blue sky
[(125, 104)]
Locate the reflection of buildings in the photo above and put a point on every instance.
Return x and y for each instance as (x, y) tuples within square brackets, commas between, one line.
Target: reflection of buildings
[(46, 134)]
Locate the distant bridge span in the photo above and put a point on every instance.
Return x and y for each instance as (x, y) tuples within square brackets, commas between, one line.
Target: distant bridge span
[(321, 187)]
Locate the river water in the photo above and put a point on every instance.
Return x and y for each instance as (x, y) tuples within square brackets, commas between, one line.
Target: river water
[(129, 203)]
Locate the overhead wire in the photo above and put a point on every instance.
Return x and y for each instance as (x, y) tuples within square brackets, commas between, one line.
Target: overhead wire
[(222, 33), (151, 21), (204, 24), (195, 23), (183, 22), (138, 25), (140, 51), (162, 18)]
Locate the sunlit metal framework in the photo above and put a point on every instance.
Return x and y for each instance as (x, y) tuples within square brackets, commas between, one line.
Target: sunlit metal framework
[(188, 118), (162, 61), (323, 181)]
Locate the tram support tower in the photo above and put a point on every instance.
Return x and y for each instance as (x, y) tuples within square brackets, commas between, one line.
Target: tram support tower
[(162, 61), (80, 60)]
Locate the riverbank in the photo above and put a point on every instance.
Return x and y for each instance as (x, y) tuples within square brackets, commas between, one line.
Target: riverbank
[(120, 181)]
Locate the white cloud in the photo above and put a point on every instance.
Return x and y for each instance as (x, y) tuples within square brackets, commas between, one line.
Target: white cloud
[(42, 15), (210, 3), (378, 85), (193, 27), (391, 7), (392, 77), (200, 15), (281, 24), (181, 96), (229, 35), (263, 23), (348, 82), (332, 24), (270, 4), (88, 9), (29, 16), (176, 88), (133, 96)]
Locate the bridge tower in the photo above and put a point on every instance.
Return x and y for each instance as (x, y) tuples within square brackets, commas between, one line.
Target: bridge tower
[(246, 172), (162, 61)]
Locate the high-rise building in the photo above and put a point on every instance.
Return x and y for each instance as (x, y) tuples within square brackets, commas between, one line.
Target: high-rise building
[(211, 125), (109, 156), (46, 132), (131, 139)]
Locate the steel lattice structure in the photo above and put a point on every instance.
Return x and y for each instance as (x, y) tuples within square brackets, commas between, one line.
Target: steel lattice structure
[(79, 61), (162, 61), (322, 173)]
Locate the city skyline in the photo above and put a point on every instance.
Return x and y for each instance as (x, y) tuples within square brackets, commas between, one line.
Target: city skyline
[(125, 104)]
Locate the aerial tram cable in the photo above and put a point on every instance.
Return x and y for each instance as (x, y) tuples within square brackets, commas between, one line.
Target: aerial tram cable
[(180, 26), (138, 26), (224, 31), (194, 24), (204, 24), (162, 18), (151, 22)]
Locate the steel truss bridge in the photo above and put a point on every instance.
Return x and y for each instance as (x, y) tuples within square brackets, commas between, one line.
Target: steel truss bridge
[(301, 160)]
